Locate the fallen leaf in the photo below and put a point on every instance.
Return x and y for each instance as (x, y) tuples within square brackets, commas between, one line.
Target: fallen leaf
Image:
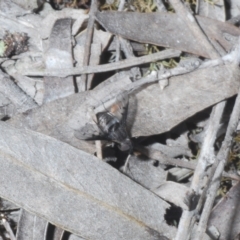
[(166, 29), (185, 96), (76, 191)]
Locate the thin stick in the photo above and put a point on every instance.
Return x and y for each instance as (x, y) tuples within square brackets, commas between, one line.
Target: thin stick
[(117, 38), (128, 51), (221, 159), (126, 163), (89, 35), (164, 159), (228, 58), (126, 47), (153, 77), (160, 75), (206, 157), (105, 67)]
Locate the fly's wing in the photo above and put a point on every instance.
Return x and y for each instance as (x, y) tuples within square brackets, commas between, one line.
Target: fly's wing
[(116, 114), (89, 132), (120, 108)]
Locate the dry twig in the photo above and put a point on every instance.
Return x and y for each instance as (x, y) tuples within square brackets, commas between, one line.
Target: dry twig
[(207, 154), (166, 160), (89, 35), (106, 67)]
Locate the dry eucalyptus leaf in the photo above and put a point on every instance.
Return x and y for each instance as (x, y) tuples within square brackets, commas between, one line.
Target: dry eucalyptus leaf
[(59, 55), (186, 95), (16, 100), (226, 215), (76, 191), (166, 29), (79, 15), (62, 117)]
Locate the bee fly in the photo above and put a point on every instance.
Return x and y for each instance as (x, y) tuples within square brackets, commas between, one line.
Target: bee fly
[(111, 125)]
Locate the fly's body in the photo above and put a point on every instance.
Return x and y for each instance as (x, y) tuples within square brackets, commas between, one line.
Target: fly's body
[(112, 125)]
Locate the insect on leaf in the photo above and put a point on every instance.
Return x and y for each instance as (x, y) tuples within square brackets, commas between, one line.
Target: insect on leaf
[(110, 125)]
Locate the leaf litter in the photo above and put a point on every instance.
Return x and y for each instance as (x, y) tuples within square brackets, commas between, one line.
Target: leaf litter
[(59, 81)]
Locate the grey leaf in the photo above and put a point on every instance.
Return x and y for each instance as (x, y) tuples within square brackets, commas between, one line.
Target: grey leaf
[(76, 191)]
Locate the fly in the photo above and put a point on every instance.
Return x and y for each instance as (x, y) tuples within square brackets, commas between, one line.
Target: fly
[(111, 125)]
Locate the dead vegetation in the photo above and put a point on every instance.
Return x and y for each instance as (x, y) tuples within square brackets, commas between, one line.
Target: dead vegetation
[(120, 120)]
